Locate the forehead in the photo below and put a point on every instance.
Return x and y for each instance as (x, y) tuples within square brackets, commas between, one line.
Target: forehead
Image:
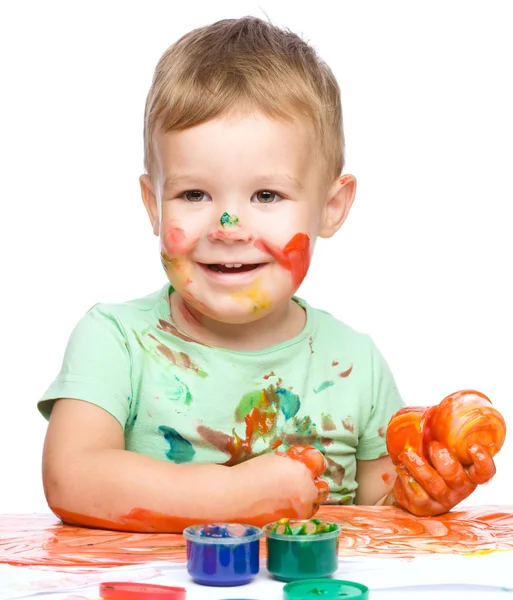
[(238, 145)]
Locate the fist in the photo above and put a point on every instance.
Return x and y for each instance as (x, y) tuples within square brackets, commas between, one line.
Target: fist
[(313, 459), (434, 486)]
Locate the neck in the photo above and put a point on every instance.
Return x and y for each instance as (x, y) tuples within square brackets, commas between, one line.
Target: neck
[(282, 324)]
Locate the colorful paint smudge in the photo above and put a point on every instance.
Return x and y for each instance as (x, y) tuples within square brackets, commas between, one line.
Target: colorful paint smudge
[(41, 540), (329, 383), (170, 328), (228, 220), (294, 256), (255, 295), (178, 359)]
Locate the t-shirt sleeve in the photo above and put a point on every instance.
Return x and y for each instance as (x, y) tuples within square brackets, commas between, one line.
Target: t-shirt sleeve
[(385, 401), (96, 367)]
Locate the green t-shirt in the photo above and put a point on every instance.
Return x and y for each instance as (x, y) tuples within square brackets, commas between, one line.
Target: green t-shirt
[(185, 402)]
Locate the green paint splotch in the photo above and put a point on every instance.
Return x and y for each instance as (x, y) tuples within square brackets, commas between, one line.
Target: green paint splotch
[(324, 385), (228, 220), (180, 450), (175, 389), (272, 399)]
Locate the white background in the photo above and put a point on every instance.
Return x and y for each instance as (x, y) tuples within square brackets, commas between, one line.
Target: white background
[(423, 263)]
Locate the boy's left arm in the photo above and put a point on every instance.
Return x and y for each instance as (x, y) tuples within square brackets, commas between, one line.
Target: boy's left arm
[(375, 480)]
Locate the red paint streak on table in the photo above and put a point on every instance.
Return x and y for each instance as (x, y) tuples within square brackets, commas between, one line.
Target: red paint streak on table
[(42, 540)]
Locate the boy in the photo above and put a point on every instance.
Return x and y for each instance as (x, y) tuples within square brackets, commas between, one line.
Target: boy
[(187, 405)]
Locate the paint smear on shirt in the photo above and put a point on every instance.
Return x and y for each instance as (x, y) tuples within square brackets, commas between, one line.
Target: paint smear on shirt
[(180, 450), (327, 423), (348, 425), (260, 411), (170, 328), (179, 359), (347, 372), (174, 389), (324, 385)]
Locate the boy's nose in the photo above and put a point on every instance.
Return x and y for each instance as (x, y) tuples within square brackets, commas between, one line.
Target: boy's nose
[(229, 229)]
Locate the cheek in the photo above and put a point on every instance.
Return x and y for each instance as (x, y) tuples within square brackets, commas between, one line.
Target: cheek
[(294, 256), (173, 241)]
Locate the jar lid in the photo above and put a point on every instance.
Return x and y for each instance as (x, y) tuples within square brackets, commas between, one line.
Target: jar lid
[(124, 590), (327, 589)]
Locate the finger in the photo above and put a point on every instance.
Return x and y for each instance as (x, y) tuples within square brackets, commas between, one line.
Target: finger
[(483, 468), (426, 476), (410, 495), (309, 456), (451, 470), (323, 490)]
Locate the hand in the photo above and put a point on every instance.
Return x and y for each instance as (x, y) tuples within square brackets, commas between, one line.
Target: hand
[(427, 488), (314, 460), (285, 484)]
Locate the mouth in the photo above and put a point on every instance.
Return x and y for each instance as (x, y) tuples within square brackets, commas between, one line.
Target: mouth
[(231, 268)]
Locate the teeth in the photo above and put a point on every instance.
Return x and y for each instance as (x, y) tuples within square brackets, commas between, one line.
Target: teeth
[(232, 266)]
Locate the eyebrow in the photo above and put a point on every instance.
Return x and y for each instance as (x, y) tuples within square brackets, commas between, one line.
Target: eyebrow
[(174, 180), (280, 179)]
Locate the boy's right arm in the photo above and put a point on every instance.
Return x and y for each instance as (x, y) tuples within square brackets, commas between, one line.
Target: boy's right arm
[(90, 479)]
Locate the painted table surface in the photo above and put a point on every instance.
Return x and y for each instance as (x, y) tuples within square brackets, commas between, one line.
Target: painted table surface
[(465, 553)]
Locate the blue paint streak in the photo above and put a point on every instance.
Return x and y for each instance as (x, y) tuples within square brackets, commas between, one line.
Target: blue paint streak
[(180, 450), (289, 403)]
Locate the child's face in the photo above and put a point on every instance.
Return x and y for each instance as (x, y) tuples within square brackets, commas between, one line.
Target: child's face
[(238, 203)]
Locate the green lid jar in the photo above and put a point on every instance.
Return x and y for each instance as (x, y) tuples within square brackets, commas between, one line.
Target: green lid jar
[(302, 549), (328, 589)]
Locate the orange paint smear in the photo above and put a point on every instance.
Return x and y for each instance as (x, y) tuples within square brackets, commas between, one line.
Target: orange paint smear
[(41, 540), (295, 256), (221, 234), (174, 241)]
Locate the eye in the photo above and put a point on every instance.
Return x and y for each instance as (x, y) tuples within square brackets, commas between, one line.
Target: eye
[(194, 196), (266, 197)]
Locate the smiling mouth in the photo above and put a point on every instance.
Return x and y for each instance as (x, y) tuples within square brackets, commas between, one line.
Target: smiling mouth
[(231, 268)]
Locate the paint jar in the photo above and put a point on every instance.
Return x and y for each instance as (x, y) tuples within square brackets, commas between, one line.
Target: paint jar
[(302, 549), (222, 554)]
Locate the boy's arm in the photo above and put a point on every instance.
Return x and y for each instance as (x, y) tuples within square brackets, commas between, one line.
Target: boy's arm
[(90, 479), (375, 480)]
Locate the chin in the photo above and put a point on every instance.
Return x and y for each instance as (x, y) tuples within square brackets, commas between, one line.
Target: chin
[(234, 315)]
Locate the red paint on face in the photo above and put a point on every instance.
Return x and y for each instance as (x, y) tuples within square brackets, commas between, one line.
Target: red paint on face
[(295, 256), (221, 234), (344, 179), (174, 241)]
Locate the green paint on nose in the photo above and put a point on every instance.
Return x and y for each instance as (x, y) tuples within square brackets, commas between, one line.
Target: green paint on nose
[(228, 220)]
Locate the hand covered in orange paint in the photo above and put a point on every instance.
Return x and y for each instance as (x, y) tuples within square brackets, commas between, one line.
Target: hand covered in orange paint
[(314, 460), (432, 486), (286, 484)]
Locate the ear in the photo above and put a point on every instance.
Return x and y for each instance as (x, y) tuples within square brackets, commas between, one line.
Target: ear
[(338, 204), (150, 201)]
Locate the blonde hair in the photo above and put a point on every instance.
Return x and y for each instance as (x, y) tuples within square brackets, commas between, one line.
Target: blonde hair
[(239, 64)]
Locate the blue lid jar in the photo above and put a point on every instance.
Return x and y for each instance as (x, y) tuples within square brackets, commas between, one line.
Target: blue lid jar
[(222, 554)]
